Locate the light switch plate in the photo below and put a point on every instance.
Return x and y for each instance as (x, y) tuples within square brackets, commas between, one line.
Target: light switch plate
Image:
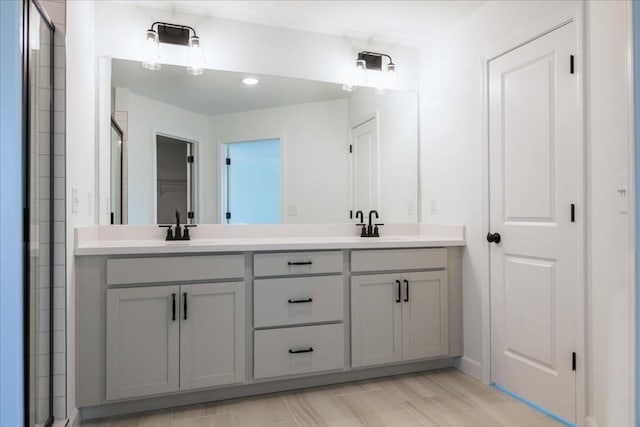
[(292, 210), (75, 201), (623, 193)]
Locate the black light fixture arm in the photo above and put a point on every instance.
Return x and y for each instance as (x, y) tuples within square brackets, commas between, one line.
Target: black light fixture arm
[(167, 24), (365, 52)]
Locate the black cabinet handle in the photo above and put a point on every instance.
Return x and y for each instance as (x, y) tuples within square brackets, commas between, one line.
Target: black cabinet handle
[(399, 291), (406, 284), (299, 263), (173, 307), (308, 350), (184, 295), (300, 301)]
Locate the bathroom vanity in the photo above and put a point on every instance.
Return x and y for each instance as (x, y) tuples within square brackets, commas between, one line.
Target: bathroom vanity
[(258, 309)]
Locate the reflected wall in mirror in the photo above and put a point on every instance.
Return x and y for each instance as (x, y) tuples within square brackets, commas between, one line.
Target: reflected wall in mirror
[(281, 151)]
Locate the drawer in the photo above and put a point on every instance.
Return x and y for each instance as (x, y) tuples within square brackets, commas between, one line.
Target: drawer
[(283, 264), (398, 259), (291, 351), (295, 300), (174, 269)]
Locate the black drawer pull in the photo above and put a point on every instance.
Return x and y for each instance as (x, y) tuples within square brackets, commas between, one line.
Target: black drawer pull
[(299, 263), (308, 350), (399, 291), (185, 305), (406, 283), (173, 307), (300, 301)]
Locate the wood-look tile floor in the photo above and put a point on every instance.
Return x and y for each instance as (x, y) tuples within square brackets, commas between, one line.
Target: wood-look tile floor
[(437, 398)]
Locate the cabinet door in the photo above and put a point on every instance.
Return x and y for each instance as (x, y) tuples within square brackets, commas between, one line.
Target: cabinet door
[(212, 334), (424, 315), (142, 341), (375, 319)]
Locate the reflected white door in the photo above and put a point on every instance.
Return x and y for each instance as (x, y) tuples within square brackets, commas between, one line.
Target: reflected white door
[(535, 177), (364, 166)]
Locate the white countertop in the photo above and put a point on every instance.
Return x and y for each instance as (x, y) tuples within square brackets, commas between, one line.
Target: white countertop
[(136, 240)]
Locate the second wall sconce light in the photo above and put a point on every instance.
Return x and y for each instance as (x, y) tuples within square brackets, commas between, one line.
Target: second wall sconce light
[(163, 32), (385, 76)]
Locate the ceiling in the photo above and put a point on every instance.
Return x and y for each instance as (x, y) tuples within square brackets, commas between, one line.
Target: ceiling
[(393, 22), (218, 92)]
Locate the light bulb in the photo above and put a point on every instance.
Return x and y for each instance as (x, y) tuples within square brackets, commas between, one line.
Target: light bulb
[(151, 51), (250, 81), (196, 57), (390, 76)]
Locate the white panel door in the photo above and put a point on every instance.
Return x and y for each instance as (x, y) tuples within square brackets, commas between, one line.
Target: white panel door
[(376, 319), (535, 177), (212, 334), (425, 324), (364, 166), (142, 341)]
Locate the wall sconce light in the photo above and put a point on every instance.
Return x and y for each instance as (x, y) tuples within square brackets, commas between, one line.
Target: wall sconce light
[(373, 61), (163, 32)]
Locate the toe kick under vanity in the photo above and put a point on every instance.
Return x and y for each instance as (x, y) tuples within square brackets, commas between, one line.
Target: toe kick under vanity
[(162, 324)]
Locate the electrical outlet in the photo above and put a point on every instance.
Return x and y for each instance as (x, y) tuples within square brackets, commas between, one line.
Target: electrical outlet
[(433, 209), (411, 207), (75, 201)]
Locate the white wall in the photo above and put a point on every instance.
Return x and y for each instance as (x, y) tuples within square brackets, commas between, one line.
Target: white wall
[(314, 141), (397, 114), (146, 117), (609, 115), (452, 170), (236, 46), (80, 152)]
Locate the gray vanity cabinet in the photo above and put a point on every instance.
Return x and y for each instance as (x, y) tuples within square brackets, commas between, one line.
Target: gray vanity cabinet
[(143, 342), (168, 338), (399, 316), (163, 337)]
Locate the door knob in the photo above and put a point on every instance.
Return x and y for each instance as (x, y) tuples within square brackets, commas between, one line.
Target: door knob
[(493, 238)]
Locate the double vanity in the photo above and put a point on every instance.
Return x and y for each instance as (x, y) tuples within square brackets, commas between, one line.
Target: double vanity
[(244, 310)]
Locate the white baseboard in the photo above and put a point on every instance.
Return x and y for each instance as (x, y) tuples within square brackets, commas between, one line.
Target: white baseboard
[(74, 418), (591, 422), (469, 366)]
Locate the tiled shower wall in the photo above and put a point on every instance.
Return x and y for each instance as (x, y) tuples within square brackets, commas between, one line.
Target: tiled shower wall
[(57, 12)]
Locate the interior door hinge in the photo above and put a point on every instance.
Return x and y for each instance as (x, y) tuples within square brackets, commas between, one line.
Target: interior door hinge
[(189, 159), (573, 212), (351, 148), (191, 215), (228, 161), (573, 361), (572, 64), (228, 215)]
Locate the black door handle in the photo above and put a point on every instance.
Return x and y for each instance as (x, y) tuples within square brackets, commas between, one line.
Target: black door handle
[(173, 307), (399, 291), (300, 301), (299, 263), (308, 350), (406, 284), (493, 238), (184, 295)]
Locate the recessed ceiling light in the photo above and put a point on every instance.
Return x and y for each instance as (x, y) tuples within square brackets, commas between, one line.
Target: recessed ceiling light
[(250, 81)]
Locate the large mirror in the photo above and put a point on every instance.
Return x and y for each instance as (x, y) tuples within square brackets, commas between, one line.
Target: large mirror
[(233, 148)]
